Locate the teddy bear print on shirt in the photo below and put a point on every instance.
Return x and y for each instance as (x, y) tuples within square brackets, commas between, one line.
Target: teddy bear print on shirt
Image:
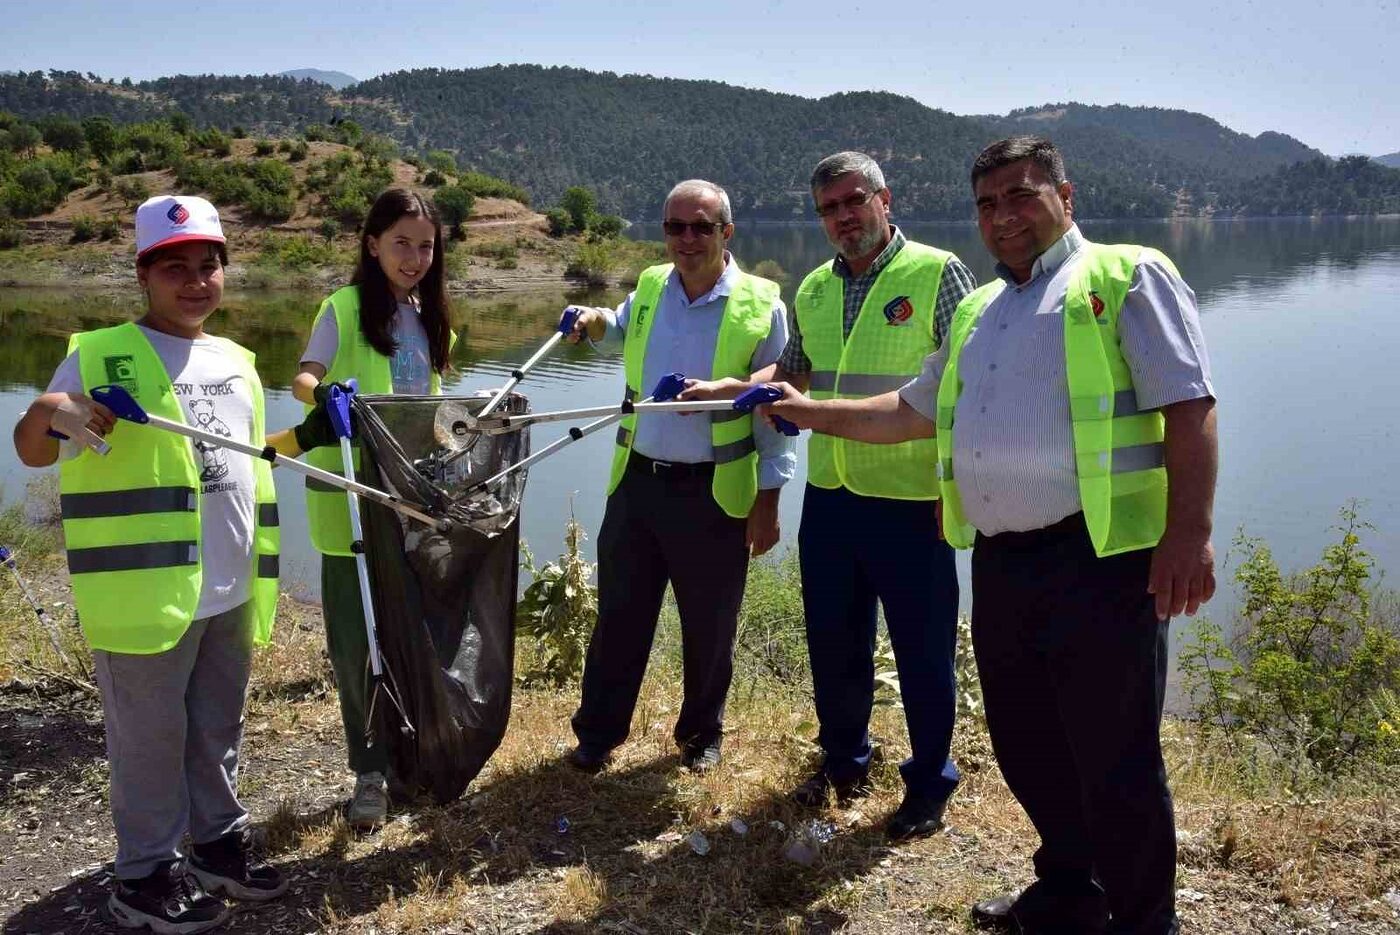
[(214, 457)]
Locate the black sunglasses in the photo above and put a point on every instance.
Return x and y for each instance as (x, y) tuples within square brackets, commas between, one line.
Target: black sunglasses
[(698, 228)]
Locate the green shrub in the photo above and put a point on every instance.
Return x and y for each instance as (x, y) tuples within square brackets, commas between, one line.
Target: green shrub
[(295, 253), (605, 225), (442, 161), (132, 190), (109, 228), (1313, 670), (488, 186), (434, 178), (593, 262), (84, 228), (284, 146), (558, 610), (508, 262), (329, 228), (558, 220), (298, 151), (10, 235), (454, 204), (770, 269), (264, 148), (237, 132)]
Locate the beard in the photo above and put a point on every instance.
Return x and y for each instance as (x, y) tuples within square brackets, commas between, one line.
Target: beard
[(861, 242)]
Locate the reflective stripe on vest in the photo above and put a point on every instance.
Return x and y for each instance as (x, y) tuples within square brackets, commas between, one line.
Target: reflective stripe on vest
[(748, 317), (327, 511), (1118, 449), (131, 520), (892, 335)]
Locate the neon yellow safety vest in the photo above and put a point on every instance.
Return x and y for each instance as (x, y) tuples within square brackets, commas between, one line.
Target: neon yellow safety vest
[(1118, 450), (748, 317), (131, 519), (327, 512), (892, 335)]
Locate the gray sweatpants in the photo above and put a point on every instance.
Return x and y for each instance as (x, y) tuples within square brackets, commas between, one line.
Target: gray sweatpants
[(174, 725)]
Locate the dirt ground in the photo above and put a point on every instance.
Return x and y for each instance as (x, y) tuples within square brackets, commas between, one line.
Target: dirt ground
[(538, 847)]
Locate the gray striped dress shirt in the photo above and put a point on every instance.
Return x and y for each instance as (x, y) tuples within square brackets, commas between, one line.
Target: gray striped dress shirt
[(1013, 452)]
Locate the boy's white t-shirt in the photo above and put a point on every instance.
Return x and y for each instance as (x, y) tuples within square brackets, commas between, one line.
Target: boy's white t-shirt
[(411, 367), (215, 397)]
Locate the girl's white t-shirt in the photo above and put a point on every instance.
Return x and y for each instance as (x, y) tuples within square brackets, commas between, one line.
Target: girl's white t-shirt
[(215, 397), (411, 367)]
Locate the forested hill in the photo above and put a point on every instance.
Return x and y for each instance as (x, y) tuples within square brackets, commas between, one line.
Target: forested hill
[(630, 137)]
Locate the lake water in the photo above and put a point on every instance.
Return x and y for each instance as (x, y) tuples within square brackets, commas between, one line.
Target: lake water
[(1300, 317)]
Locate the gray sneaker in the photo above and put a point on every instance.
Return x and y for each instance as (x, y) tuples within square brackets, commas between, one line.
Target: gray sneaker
[(369, 807)]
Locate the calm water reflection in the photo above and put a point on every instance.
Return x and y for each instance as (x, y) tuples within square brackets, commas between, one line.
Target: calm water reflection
[(1300, 316)]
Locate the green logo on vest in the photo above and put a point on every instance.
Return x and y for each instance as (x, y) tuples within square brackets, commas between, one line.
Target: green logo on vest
[(121, 370), (642, 316)]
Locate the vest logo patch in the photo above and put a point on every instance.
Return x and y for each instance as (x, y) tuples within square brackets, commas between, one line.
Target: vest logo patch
[(1096, 304), (121, 370), (899, 310), (641, 316)]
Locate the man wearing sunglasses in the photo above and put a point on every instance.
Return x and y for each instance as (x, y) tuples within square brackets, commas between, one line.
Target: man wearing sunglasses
[(690, 498), (863, 325)]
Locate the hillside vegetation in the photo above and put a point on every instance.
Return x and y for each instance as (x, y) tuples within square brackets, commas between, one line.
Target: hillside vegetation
[(630, 137)]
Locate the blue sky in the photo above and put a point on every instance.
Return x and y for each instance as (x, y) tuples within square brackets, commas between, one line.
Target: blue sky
[(1325, 74)]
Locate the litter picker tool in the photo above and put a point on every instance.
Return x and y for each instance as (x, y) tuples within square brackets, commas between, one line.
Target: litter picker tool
[(124, 407), (744, 402), (434, 465), (667, 388), (659, 401), (7, 558), (338, 406)]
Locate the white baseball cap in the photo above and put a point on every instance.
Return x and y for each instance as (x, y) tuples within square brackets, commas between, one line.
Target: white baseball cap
[(170, 219)]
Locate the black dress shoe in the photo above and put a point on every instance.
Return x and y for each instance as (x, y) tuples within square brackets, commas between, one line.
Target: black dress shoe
[(587, 759), (916, 817), (700, 758), (1036, 912), (996, 914), (813, 792)]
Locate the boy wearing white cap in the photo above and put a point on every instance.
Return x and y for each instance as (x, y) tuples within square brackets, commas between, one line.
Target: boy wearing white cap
[(172, 552)]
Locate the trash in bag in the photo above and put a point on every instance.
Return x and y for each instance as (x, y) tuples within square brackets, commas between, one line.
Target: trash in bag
[(444, 596)]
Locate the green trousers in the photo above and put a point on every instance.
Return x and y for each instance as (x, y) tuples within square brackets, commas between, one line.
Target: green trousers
[(349, 649)]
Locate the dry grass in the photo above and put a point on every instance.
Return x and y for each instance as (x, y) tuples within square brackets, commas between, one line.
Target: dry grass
[(1254, 856)]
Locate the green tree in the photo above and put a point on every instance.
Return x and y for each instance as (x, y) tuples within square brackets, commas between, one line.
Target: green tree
[(581, 204), (25, 138), (64, 135), (101, 135), (454, 204)]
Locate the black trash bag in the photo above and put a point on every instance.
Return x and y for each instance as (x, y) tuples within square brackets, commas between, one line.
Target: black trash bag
[(444, 598)]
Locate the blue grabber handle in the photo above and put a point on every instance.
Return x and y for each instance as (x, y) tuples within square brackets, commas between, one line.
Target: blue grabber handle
[(118, 400), (338, 407), (567, 321), (757, 396), (668, 387), (6, 558)]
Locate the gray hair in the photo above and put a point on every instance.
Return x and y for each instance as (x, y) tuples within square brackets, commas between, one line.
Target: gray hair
[(835, 166), (693, 187)]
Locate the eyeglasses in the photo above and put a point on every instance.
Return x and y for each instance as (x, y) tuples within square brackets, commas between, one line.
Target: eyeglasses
[(698, 228), (850, 202)]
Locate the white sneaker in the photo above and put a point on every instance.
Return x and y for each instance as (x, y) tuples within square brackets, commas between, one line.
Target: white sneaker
[(370, 805)]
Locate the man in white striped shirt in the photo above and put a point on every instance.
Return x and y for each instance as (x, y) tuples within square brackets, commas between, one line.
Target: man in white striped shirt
[(1084, 464)]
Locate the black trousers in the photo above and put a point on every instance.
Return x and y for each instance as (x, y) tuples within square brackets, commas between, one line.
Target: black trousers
[(657, 530), (1073, 663)]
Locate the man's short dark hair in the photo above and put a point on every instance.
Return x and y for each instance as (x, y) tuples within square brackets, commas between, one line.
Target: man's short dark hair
[(1013, 149)]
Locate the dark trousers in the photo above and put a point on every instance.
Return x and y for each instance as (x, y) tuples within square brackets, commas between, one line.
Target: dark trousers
[(1073, 662), (855, 551), (657, 530), (349, 652)]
